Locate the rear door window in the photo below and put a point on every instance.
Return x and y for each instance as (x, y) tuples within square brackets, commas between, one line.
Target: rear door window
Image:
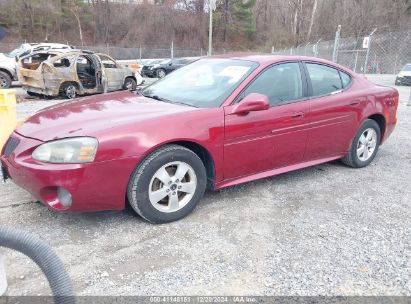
[(64, 62), (324, 79)]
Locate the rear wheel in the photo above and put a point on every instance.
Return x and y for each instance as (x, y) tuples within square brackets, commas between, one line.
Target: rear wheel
[(5, 80), (364, 146), (70, 91), (167, 185)]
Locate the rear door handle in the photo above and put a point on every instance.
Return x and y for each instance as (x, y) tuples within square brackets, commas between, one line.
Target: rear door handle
[(297, 115)]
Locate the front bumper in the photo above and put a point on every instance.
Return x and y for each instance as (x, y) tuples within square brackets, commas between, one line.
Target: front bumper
[(148, 73), (93, 186), (406, 80)]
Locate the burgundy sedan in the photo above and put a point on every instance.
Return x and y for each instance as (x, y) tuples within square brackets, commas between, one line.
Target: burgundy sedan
[(217, 122)]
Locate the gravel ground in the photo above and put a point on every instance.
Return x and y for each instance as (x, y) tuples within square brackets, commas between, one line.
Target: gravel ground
[(324, 230)]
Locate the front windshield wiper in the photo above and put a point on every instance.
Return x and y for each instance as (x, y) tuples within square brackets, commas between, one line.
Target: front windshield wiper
[(156, 97)]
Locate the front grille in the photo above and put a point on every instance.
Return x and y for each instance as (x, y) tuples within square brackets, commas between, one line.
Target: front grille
[(11, 144)]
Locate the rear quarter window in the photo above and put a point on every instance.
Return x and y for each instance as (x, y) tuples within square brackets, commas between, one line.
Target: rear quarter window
[(324, 79), (345, 78)]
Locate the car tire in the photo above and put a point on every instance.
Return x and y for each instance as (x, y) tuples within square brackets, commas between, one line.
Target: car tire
[(5, 80), (70, 91), (161, 73), (155, 187), (397, 83), (364, 146), (130, 84)]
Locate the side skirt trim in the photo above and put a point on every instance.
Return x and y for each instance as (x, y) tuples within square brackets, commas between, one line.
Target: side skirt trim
[(277, 171)]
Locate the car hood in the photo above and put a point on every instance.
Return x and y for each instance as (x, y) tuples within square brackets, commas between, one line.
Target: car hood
[(404, 73), (4, 58), (91, 116)]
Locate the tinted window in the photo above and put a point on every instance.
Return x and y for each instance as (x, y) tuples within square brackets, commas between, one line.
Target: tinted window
[(324, 80), (280, 83), (345, 78)]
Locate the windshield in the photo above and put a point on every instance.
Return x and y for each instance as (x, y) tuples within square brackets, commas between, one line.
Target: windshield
[(205, 83), (407, 68), (17, 51)]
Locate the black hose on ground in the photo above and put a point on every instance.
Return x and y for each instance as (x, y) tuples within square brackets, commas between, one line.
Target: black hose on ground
[(45, 257)]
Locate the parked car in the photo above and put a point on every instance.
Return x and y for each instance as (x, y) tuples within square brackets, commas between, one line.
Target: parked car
[(8, 60), (164, 67), (217, 122), (72, 73), (404, 76), (7, 71)]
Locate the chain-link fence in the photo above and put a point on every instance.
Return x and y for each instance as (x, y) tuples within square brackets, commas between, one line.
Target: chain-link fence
[(120, 53), (144, 52), (387, 52)]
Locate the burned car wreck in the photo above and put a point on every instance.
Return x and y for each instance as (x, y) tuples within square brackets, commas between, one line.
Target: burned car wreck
[(72, 73)]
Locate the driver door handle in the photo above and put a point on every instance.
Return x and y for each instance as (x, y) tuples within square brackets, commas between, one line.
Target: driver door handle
[(297, 115)]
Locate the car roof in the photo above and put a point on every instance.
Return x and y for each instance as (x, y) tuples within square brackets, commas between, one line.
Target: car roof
[(266, 59)]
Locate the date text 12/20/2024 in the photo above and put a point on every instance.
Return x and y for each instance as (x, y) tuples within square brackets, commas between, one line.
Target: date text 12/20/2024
[(203, 299)]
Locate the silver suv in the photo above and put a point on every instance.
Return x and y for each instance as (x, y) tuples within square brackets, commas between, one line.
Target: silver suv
[(8, 60)]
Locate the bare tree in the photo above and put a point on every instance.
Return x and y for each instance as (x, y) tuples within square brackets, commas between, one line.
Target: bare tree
[(310, 27)]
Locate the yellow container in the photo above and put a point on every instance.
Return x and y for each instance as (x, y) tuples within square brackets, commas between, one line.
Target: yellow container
[(8, 119)]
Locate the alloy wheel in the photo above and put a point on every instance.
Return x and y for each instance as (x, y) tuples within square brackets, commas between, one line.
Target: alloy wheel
[(71, 91), (172, 186), (3, 82), (161, 74), (366, 144)]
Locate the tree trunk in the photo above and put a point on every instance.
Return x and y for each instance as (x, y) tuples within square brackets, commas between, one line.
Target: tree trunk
[(310, 27), (295, 24), (80, 31)]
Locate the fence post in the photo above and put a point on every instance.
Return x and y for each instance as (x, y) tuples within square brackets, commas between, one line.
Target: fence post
[(272, 50), (316, 47), (172, 49), (336, 43), (356, 60), (140, 51), (368, 51), (409, 100)]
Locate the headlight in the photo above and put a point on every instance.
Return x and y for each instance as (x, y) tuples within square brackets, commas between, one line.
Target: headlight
[(75, 150)]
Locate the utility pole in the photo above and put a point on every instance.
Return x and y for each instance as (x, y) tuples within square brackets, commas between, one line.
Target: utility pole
[(210, 30)]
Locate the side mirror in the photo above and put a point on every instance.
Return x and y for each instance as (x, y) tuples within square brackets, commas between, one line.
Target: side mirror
[(250, 103)]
